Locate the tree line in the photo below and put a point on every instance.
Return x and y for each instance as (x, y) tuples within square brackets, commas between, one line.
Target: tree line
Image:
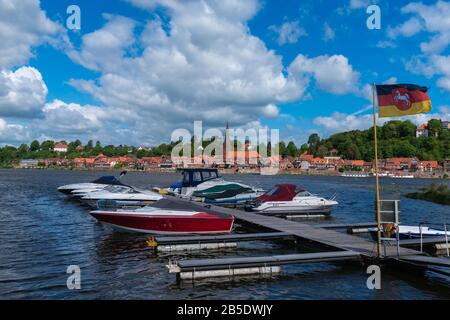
[(395, 139)]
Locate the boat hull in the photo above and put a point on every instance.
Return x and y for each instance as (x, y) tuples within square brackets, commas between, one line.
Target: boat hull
[(166, 224), (286, 210)]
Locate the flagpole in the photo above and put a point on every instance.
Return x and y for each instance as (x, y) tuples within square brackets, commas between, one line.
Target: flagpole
[(377, 185)]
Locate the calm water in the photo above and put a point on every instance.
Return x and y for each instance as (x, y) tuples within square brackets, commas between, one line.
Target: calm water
[(42, 233)]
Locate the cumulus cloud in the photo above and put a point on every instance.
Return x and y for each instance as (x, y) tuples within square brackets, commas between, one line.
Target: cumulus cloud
[(433, 65), (288, 32), (434, 19), (22, 93), (63, 117), (204, 65), (333, 74), (12, 133), (105, 48), (23, 25)]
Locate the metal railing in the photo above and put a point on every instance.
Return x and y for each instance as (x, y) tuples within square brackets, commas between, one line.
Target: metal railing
[(445, 235)]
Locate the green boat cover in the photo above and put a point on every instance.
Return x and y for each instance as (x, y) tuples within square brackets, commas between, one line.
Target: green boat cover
[(219, 189)]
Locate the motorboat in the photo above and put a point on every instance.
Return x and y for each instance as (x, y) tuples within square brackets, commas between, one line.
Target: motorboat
[(411, 232), (154, 220), (401, 176), (355, 175), (98, 184), (123, 194), (231, 194), (206, 185), (285, 199), (80, 193)]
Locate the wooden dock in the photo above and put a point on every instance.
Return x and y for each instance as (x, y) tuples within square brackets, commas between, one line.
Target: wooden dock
[(341, 245), (308, 232)]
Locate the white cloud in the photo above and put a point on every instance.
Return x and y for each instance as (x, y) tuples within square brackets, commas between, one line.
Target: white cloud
[(73, 118), (105, 48), (23, 25), (333, 74), (329, 33), (207, 67), (358, 121), (435, 20), (391, 80), (22, 93), (12, 133), (434, 65), (406, 29), (288, 32), (271, 111)]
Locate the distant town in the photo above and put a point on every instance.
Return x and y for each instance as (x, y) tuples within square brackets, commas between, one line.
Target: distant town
[(404, 148)]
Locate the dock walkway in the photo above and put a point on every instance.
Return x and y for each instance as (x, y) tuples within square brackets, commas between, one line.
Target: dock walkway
[(342, 247), (327, 236)]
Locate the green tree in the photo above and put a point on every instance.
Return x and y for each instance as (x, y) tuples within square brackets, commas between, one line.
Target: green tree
[(434, 127), (292, 149), (34, 146)]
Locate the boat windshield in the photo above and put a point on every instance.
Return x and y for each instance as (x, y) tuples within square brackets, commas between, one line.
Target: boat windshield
[(304, 194), (194, 178), (116, 189), (273, 191)]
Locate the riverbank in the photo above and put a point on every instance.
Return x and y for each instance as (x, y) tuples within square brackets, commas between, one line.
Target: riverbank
[(251, 171)]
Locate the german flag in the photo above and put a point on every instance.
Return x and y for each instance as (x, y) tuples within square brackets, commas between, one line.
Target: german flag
[(396, 100)]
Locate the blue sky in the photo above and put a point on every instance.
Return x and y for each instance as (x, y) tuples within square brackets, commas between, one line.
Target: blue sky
[(138, 69)]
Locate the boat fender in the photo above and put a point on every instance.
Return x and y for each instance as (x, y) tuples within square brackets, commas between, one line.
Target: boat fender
[(151, 242)]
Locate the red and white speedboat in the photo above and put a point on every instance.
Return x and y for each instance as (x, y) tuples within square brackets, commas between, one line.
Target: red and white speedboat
[(165, 221)]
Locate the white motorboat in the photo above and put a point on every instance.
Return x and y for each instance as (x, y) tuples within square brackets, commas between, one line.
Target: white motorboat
[(401, 176), (99, 183), (206, 185), (355, 175), (284, 199), (413, 232), (123, 194)]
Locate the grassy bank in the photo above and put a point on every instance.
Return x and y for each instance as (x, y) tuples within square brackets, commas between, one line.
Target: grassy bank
[(434, 193)]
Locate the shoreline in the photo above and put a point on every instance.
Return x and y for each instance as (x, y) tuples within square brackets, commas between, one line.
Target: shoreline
[(421, 175)]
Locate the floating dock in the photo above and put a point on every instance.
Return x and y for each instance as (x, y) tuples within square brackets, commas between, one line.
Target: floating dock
[(170, 244), (337, 247), (195, 269)]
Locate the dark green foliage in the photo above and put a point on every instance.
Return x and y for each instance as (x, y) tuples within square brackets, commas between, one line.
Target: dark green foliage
[(395, 139)]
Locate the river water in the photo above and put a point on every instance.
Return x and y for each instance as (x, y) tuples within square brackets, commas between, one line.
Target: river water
[(42, 233)]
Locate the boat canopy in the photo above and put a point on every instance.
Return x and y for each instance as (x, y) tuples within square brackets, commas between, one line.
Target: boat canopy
[(107, 180), (221, 191), (281, 192), (192, 177)]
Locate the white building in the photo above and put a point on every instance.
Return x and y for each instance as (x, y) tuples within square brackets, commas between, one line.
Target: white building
[(60, 147)]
